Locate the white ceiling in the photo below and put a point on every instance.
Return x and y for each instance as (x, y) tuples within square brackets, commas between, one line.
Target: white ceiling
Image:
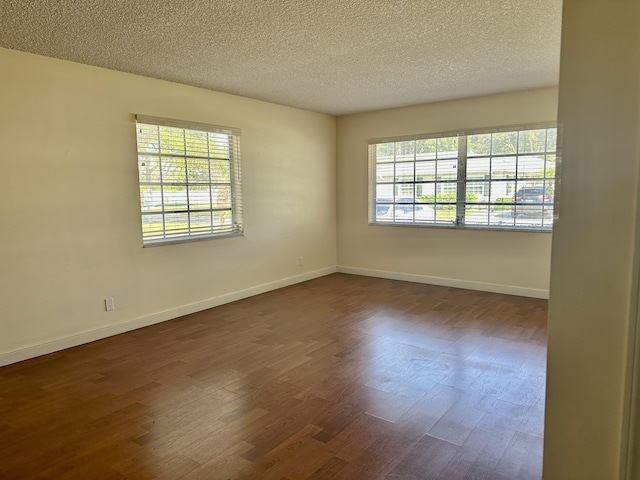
[(330, 56)]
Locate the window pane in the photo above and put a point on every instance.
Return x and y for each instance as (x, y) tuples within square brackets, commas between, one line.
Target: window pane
[(221, 197), (479, 145), (384, 212), (196, 143), (220, 171), (148, 139), (385, 152), (447, 147), (150, 198), (152, 225), (198, 170), (176, 223), (425, 213), (200, 222), (478, 192), (219, 145), (447, 191), (532, 141), (528, 216), (426, 192), (477, 168), (171, 141), (501, 216), (531, 166), (445, 213), (404, 193), (447, 169), (426, 149), (175, 198), (529, 222), (199, 198), (472, 197), (404, 212), (504, 143), (502, 191), (425, 171), (502, 213), (384, 172), (149, 168), (405, 151), (529, 211), (384, 193), (503, 167), (534, 189), (550, 169), (173, 170), (404, 172), (221, 219), (476, 215)]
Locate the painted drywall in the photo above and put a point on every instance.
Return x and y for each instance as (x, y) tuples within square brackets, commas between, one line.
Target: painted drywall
[(593, 242), (71, 228), (509, 262)]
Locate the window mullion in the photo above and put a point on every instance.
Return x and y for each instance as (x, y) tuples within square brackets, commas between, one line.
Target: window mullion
[(186, 178), (161, 165), (461, 197), (231, 145)]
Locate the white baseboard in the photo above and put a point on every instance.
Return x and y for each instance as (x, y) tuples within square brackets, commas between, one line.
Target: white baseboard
[(447, 282), (61, 343)]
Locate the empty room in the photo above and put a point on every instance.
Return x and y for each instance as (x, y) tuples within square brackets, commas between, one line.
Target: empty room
[(297, 239)]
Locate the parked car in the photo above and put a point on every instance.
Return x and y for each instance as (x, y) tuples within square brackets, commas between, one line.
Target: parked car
[(403, 210), (533, 202)]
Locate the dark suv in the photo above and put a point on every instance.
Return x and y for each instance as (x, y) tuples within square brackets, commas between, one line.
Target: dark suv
[(533, 202)]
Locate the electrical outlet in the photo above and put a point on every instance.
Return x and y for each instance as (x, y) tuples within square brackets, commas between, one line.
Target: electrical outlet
[(300, 261), (109, 304)]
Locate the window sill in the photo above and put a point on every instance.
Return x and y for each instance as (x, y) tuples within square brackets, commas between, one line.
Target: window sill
[(461, 227), (191, 239)]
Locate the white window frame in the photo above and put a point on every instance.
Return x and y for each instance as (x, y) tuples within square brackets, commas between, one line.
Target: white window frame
[(427, 213), (169, 208)]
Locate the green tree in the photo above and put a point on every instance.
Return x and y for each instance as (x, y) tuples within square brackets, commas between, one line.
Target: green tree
[(504, 143), (183, 161)]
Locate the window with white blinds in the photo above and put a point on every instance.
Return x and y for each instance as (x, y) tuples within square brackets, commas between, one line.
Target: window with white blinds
[(501, 178), (189, 176)]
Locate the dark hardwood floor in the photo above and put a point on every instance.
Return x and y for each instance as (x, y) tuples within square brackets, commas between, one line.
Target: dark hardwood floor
[(343, 377)]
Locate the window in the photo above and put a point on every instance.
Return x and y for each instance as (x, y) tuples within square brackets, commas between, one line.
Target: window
[(189, 177), (500, 178)]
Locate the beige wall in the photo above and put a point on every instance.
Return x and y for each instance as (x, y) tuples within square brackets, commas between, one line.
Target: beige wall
[(69, 206), (510, 262), (593, 240)]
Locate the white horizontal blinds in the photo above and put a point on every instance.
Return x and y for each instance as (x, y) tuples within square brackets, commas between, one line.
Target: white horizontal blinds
[(189, 180), (236, 184), (415, 181), (499, 178), (510, 179)]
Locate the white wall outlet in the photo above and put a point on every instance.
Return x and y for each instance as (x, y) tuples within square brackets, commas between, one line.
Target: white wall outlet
[(109, 304), (300, 261)]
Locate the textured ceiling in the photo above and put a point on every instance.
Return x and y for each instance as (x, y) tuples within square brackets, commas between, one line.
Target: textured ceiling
[(331, 56)]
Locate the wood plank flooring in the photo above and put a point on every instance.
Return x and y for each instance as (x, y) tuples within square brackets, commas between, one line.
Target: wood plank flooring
[(342, 377)]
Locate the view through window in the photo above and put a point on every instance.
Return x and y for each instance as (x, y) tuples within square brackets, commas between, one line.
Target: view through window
[(189, 176), (500, 179)]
